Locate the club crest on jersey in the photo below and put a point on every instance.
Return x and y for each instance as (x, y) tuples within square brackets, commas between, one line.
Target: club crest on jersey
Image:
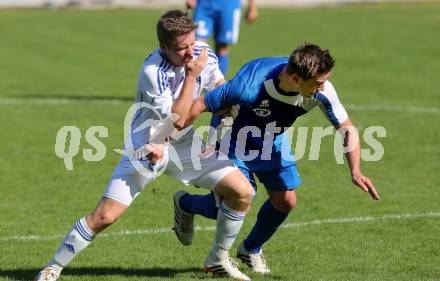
[(263, 112), (264, 103)]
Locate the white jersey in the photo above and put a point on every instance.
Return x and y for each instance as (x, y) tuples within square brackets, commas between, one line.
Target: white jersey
[(159, 84)]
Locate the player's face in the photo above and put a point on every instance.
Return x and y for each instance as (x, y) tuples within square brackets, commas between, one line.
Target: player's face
[(310, 86), (181, 50)]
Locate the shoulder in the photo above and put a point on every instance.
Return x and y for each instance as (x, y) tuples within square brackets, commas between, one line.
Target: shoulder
[(328, 95), (268, 62), (156, 71), (263, 66), (329, 89), (254, 73), (155, 62), (330, 104), (201, 44), (212, 57)]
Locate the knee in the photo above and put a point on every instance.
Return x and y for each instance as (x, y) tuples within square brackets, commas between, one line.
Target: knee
[(102, 219), (285, 204), (107, 218), (246, 194), (242, 193), (236, 191), (239, 196)]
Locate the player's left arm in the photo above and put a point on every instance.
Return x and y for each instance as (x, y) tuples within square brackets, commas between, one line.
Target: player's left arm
[(226, 111), (221, 98), (351, 141), (198, 107), (337, 115)]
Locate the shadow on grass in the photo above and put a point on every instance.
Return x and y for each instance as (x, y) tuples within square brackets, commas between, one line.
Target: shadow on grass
[(165, 272)]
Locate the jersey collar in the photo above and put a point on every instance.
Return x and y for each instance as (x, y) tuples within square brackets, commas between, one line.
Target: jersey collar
[(273, 90), (276, 83)]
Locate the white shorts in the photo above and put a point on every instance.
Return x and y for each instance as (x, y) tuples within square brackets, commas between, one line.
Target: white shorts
[(182, 161)]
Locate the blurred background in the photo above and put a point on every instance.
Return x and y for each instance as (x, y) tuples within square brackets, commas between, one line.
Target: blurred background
[(164, 3)]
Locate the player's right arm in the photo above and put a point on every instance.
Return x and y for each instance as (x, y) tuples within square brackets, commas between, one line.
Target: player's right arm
[(154, 89), (182, 104)]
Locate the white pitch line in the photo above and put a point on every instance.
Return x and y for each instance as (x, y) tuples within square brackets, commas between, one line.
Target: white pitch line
[(212, 228), (59, 101), (109, 101), (392, 108)]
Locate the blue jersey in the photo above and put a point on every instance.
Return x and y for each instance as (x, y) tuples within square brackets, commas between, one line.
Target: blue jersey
[(220, 18), (263, 105), (219, 4)]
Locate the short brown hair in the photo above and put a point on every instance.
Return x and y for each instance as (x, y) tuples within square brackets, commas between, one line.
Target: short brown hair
[(172, 24), (309, 60)]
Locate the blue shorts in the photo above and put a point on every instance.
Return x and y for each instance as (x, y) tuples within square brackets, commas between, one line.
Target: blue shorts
[(217, 18), (285, 178)]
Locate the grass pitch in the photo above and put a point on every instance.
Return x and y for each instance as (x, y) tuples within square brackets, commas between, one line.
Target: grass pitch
[(74, 67)]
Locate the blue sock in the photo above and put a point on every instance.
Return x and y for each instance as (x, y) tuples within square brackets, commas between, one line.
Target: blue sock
[(268, 221), (223, 63), (200, 204)]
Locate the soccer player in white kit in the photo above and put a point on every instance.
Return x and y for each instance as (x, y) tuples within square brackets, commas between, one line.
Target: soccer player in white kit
[(164, 74)]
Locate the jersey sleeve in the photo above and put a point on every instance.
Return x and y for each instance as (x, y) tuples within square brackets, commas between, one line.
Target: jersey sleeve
[(241, 90), (228, 94), (154, 89), (213, 71), (330, 105)]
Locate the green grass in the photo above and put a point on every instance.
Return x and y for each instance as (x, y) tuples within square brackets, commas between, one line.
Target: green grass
[(385, 55)]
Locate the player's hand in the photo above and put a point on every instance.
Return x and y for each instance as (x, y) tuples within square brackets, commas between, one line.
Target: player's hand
[(251, 14), (156, 152), (195, 67), (226, 111), (366, 185), (191, 4), (207, 152)]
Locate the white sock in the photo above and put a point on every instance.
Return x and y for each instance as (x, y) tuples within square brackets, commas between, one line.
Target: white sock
[(76, 240), (229, 223)]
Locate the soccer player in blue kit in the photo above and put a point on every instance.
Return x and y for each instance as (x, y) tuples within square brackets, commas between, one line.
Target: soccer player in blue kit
[(268, 95), (221, 19)]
